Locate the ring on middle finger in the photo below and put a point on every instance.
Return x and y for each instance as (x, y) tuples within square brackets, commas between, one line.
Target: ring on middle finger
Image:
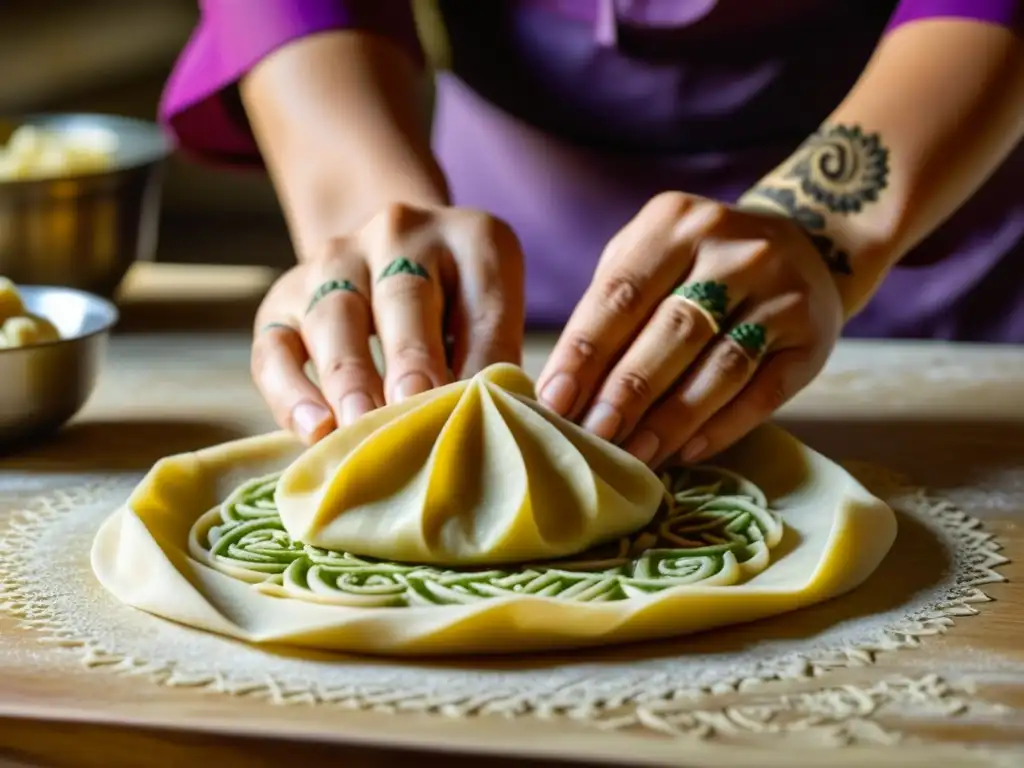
[(328, 287), (709, 296), (752, 338)]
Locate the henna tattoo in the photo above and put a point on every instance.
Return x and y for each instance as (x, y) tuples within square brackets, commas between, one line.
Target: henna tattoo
[(404, 266), (327, 288), (812, 221), (842, 168), (711, 296), (751, 337)]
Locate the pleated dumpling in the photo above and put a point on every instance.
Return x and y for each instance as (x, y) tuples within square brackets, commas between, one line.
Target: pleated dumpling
[(472, 473)]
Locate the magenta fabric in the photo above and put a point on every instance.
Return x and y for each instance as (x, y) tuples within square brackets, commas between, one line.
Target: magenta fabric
[(1008, 13), (233, 36)]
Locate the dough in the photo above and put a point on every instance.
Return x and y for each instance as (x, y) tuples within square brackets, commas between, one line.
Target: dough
[(476, 472), (18, 327), (833, 536)]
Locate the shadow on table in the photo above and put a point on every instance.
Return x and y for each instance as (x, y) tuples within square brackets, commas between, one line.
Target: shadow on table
[(938, 452), (95, 446), (931, 453)]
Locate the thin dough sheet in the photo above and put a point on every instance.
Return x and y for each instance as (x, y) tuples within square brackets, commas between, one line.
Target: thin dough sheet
[(836, 534)]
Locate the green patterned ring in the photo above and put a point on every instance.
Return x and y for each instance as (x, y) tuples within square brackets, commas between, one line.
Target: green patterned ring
[(714, 528), (752, 338), (710, 296)]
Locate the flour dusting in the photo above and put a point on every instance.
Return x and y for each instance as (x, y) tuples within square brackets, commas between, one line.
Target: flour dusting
[(48, 583)]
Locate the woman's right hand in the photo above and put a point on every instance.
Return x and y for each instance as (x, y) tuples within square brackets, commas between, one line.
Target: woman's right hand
[(442, 289)]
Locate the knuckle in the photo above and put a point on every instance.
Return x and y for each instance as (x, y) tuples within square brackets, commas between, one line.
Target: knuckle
[(769, 397), (731, 363), (492, 228), (400, 217), (583, 349), (797, 312), (758, 255), (412, 351), (671, 203), (401, 289), (633, 387), (679, 323), (487, 321), (621, 294), (347, 367)]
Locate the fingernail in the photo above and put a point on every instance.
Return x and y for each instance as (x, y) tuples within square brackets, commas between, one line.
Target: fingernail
[(694, 449), (354, 405), (309, 418), (644, 446), (411, 384), (603, 420), (560, 393)]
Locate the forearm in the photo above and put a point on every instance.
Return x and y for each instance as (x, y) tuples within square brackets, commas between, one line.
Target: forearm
[(938, 108), (339, 122)]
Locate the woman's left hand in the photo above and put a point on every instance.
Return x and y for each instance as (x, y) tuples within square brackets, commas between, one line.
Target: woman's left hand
[(700, 322)]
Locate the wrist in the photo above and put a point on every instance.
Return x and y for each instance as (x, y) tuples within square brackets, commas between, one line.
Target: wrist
[(837, 188)]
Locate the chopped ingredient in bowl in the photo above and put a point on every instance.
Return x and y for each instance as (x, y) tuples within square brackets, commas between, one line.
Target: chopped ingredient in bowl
[(37, 153), (19, 327)]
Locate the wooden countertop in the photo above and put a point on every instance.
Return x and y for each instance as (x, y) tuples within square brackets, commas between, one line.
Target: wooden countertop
[(950, 417)]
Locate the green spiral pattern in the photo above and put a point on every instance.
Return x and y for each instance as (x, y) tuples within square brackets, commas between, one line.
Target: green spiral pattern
[(714, 528)]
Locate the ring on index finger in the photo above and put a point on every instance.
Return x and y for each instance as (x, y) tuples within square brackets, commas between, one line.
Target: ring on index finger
[(711, 297)]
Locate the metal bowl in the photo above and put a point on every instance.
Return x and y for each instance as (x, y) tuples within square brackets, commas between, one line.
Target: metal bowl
[(84, 231), (44, 385)]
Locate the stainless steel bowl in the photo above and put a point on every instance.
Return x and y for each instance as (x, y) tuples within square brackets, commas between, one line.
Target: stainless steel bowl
[(43, 386), (85, 231)]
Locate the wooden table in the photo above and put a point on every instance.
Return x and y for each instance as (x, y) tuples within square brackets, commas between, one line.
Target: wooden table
[(952, 418)]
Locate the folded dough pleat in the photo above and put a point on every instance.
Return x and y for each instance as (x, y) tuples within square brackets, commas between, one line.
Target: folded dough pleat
[(472, 473)]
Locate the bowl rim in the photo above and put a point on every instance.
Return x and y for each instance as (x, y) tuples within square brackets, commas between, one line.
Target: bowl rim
[(113, 316), (163, 144)]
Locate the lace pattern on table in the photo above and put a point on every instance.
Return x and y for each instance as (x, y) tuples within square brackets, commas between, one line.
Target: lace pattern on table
[(47, 583), (713, 528)]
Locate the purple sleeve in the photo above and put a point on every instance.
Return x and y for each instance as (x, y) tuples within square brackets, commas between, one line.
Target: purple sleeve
[(233, 36), (1005, 13)]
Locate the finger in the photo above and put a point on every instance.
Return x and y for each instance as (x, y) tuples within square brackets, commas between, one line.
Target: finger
[(278, 357), (714, 381), (670, 342), (683, 325), (639, 267), (408, 311), (336, 327), (779, 378), (487, 314)]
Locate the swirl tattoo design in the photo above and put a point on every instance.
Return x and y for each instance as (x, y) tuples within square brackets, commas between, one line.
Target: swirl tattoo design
[(404, 266), (713, 528), (842, 168), (813, 222)]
